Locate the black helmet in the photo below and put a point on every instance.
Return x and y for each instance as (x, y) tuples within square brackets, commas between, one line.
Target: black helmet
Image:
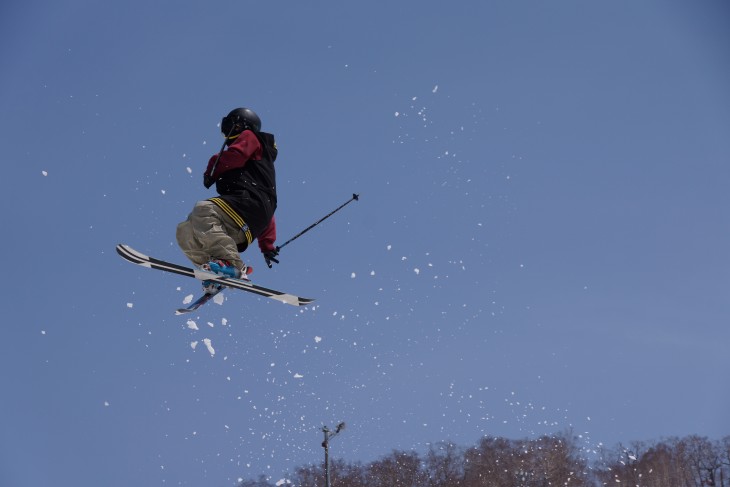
[(238, 120)]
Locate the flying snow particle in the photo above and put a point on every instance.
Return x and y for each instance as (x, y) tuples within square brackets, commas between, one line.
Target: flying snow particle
[(190, 171), (188, 299), (417, 270), (162, 191), (218, 298), (352, 276), (389, 247), (435, 89), (298, 376), (45, 173), (208, 345), (397, 114), (193, 345), (192, 325), (317, 339), (130, 305)]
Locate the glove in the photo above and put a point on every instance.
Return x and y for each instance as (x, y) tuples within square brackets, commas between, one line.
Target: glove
[(270, 256)]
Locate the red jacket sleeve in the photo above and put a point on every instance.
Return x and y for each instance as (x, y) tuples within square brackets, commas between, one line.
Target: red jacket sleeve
[(268, 236), (245, 147)]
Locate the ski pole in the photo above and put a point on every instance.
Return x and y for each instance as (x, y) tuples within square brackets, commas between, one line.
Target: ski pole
[(355, 197)]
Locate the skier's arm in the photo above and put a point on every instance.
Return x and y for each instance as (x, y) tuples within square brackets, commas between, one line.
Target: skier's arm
[(268, 237), (245, 147), (266, 243)]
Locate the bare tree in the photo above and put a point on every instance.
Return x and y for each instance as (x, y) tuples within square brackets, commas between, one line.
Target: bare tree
[(703, 460), (489, 464), (308, 476), (444, 465), (555, 460), (261, 482), (399, 469), (548, 461)]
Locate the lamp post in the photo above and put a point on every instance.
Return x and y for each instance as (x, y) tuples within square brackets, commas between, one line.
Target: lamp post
[(326, 445)]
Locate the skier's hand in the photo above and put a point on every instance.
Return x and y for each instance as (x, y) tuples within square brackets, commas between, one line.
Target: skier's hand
[(270, 256), (208, 181)]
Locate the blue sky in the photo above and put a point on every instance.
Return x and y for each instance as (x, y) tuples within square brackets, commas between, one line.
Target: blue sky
[(540, 244)]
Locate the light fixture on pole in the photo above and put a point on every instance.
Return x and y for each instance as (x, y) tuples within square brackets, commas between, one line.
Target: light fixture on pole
[(328, 435)]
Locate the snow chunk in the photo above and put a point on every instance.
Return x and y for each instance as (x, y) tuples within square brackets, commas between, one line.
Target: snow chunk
[(417, 270), (192, 325), (209, 346), (45, 173), (317, 339), (193, 344), (188, 299)]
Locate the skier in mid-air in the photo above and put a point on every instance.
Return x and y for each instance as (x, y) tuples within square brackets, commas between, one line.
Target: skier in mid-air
[(220, 228)]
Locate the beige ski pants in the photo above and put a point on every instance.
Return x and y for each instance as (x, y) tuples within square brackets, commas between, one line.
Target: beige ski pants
[(210, 234)]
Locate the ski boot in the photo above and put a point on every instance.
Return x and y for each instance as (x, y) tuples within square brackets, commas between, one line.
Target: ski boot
[(223, 268)]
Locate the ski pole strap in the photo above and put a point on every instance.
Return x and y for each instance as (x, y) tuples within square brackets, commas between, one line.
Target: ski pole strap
[(228, 210)]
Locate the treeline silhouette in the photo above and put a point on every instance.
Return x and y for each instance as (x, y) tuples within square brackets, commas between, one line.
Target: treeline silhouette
[(556, 460)]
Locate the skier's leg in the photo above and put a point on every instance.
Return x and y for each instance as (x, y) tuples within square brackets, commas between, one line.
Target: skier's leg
[(206, 235)]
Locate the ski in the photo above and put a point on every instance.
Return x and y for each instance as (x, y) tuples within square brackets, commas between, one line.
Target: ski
[(135, 257), (197, 303)]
